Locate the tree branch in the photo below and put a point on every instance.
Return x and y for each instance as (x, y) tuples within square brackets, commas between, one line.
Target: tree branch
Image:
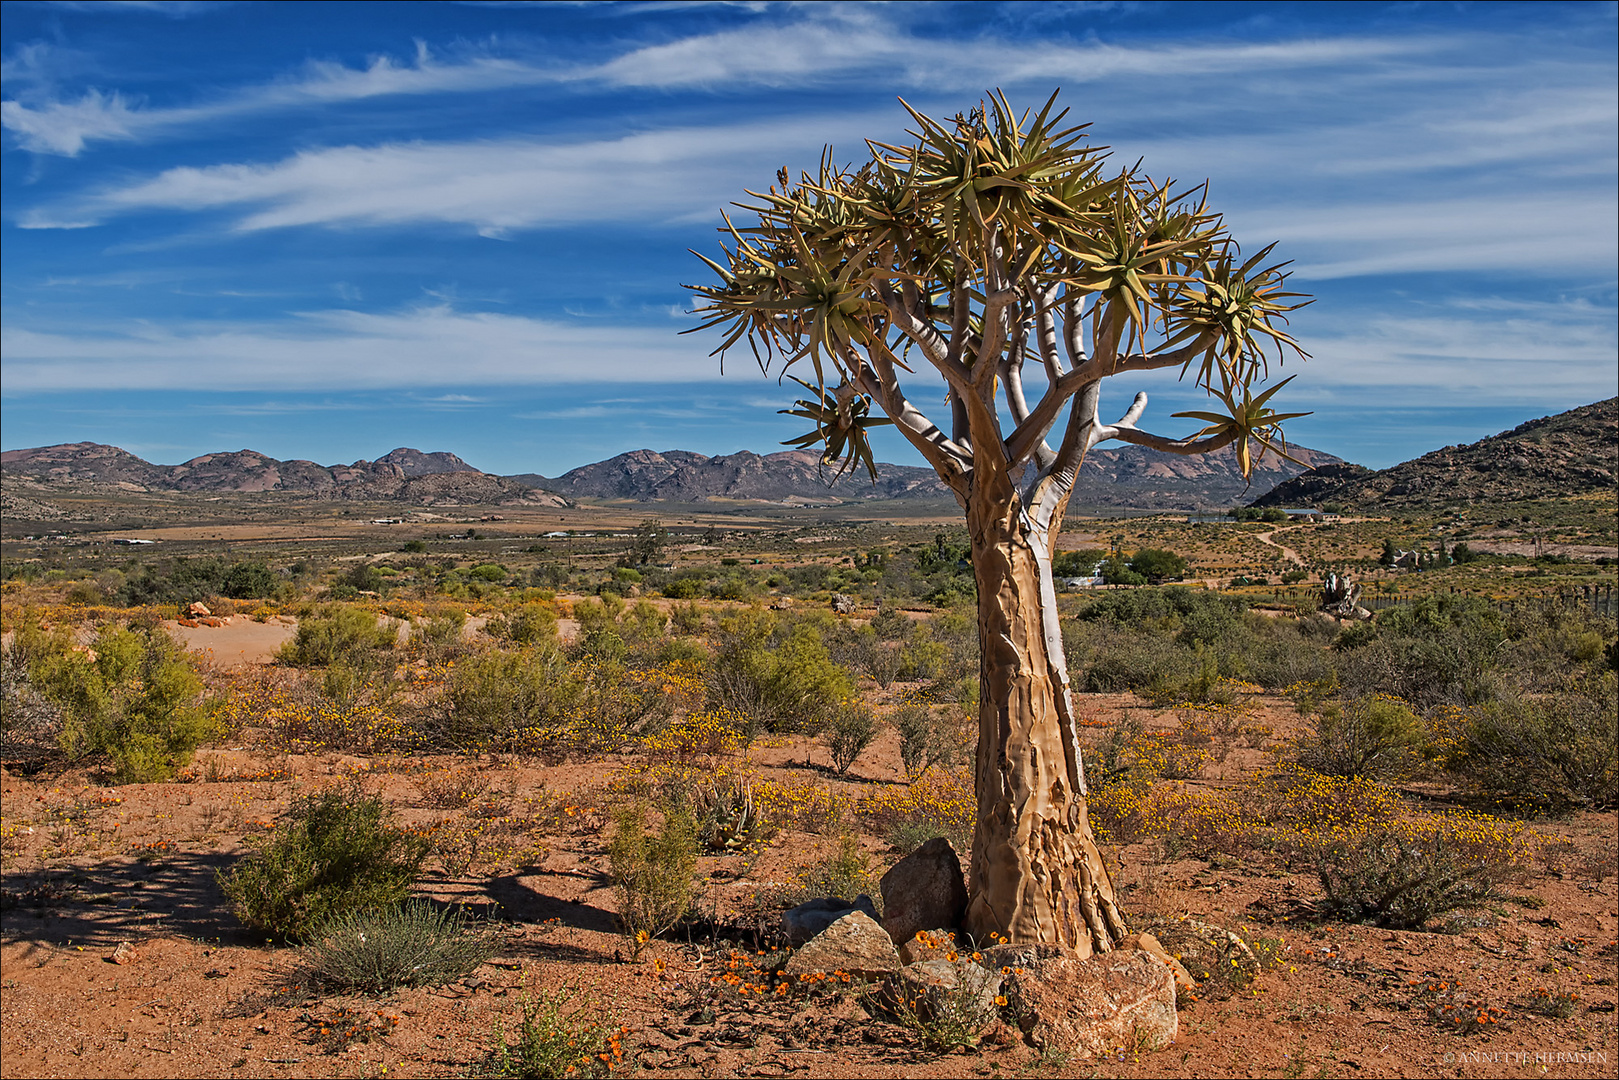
[(1031, 431), (1045, 332), (1012, 376), (1073, 338), (950, 460), (1125, 430)]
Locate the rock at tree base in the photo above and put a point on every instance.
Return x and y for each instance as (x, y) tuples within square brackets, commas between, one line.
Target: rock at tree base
[(923, 891), (854, 944), (813, 916), (931, 945), (959, 993), (1119, 1000), (1154, 948)]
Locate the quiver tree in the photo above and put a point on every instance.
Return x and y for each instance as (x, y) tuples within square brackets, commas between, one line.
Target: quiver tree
[(990, 249)]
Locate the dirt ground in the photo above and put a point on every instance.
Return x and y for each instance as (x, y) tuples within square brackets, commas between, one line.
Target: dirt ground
[(120, 958)]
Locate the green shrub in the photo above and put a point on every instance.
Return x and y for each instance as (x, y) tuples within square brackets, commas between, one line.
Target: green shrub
[(413, 944), (643, 628), (244, 581), (926, 738), (1115, 571), (491, 572), (182, 581), (1375, 737), (1158, 565), (1400, 881), (85, 593), (1548, 754), (335, 853), (879, 659), (337, 632), (1105, 657), (653, 874), (685, 588), (687, 619), (1081, 563), (953, 1013), (551, 1042), (30, 725), (891, 624), (441, 631), (529, 624), (851, 729), (905, 835), (499, 697), (844, 873), (132, 696), (922, 657), (1190, 615), (782, 679)]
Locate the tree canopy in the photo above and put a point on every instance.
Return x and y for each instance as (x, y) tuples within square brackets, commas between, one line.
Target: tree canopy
[(991, 244)]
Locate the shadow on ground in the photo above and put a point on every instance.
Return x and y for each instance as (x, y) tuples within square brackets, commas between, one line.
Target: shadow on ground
[(109, 902)]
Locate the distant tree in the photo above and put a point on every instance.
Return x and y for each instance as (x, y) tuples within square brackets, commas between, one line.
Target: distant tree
[(990, 245), (1156, 564), (650, 539), (1080, 563), (245, 580), (1116, 571)]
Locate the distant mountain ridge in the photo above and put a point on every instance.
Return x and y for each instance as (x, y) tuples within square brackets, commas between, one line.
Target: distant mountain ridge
[(1568, 453), (1123, 477), (404, 475)]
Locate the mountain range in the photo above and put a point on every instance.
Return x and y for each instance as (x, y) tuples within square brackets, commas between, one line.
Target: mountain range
[(403, 475), (1123, 477), (1570, 453)]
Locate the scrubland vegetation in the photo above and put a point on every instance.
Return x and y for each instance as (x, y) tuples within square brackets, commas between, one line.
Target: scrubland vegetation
[(1412, 770)]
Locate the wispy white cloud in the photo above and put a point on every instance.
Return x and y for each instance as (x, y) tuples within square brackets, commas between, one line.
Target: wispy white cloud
[(52, 126), (493, 186), (1510, 353), (1572, 235), (174, 9), (829, 44), (426, 347), (833, 42)]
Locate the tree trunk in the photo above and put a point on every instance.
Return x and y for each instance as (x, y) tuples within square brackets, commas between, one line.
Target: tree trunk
[(1037, 875)]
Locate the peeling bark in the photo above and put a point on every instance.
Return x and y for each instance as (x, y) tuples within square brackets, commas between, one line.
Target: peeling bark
[(1037, 875)]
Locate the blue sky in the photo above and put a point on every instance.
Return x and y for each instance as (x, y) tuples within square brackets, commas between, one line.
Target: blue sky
[(326, 230)]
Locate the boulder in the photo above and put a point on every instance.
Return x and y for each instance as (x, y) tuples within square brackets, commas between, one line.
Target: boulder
[(843, 605), (924, 890), (1113, 1001), (932, 945), (960, 993), (854, 945), (1155, 949), (813, 916)]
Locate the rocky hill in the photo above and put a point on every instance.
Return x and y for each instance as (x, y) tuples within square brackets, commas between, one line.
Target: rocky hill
[(403, 475), (1126, 476), (1570, 453)]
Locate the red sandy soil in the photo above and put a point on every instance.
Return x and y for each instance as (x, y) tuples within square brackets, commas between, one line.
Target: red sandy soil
[(92, 867)]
